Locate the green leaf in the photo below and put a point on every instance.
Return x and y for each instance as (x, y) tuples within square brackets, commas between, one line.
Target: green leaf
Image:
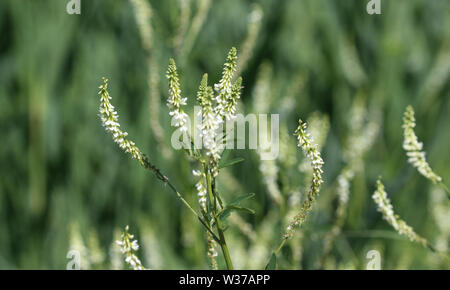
[(234, 206), (231, 162), (240, 208), (224, 156), (242, 198), (219, 199), (230, 208), (272, 265)]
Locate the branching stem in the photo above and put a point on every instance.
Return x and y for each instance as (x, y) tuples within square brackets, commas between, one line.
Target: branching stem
[(148, 165)]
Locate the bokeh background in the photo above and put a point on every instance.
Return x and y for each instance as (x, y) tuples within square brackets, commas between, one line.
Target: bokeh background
[(65, 185)]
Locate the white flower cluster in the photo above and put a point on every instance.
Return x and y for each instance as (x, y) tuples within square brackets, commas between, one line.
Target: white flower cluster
[(318, 126), (226, 102), (212, 253), (110, 120), (310, 150), (305, 142), (210, 120), (175, 101), (413, 147), (216, 110), (201, 189), (128, 246), (385, 207)]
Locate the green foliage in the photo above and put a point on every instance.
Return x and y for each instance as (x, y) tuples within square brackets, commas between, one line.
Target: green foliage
[(272, 265), (227, 163), (59, 168), (235, 206)]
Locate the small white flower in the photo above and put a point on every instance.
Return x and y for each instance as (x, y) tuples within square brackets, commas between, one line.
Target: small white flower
[(227, 94), (413, 147), (310, 150), (385, 207), (134, 245), (128, 247), (175, 101), (201, 194), (110, 120)]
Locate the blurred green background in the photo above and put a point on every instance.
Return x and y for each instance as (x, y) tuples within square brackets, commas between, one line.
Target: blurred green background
[(65, 185)]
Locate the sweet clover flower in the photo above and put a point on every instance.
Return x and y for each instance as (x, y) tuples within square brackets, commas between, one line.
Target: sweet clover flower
[(385, 207), (216, 109), (128, 247), (212, 252), (201, 189), (110, 120), (210, 121), (310, 150), (225, 99), (413, 147), (175, 101)]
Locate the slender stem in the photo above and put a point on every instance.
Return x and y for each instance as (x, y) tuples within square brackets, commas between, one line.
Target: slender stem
[(148, 165), (281, 246), (445, 188), (437, 252), (222, 242)]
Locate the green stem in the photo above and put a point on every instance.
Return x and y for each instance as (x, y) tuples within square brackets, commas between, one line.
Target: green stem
[(281, 246), (445, 188), (213, 207), (223, 244), (437, 252), (148, 165)]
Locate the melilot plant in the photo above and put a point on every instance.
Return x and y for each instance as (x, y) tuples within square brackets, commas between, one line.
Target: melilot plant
[(218, 105), (414, 150)]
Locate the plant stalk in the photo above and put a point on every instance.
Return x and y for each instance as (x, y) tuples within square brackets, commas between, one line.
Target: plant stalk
[(213, 207), (148, 165), (281, 246), (445, 188)]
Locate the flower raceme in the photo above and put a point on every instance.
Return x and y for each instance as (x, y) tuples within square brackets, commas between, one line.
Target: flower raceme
[(414, 148), (310, 150), (175, 101), (110, 120), (201, 189), (128, 247), (385, 207), (218, 105), (210, 120), (304, 141), (227, 93)]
